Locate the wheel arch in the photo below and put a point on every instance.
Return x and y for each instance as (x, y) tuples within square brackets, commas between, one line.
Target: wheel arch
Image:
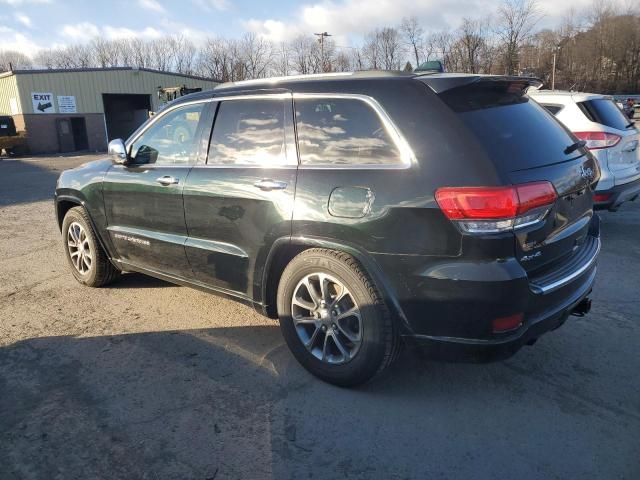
[(64, 203), (285, 249)]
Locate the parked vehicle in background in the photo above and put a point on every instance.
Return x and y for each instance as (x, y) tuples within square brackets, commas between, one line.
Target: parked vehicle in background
[(629, 108), (359, 209), (608, 133), (11, 141)]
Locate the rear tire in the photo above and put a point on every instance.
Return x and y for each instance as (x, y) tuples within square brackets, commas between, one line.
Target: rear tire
[(333, 318), (88, 261)]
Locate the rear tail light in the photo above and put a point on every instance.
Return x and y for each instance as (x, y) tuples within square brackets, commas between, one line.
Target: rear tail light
[(598, 140), (496, 209), (506, 324), (601, 197)]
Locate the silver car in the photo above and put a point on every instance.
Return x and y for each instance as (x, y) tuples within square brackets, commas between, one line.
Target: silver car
[(610, 136)]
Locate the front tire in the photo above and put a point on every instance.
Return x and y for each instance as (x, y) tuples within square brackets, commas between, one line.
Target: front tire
[(88, 261), (333, 318)]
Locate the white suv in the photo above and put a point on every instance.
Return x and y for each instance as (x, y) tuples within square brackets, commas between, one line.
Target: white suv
[(610, 136)]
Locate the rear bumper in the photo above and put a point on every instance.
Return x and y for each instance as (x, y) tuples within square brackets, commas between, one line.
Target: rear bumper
[(487, 350), (450, 307), (617, 195)]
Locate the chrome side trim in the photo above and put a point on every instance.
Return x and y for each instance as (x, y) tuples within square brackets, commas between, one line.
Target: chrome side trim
[(148, 234), (200, 243), (407, 157), (214, 246), (544, 289)]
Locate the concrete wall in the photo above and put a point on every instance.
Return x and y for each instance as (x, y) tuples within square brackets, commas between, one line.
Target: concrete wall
[(43, 134)]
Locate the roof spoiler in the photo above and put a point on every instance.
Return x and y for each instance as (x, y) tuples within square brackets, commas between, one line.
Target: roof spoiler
[(442, 83)]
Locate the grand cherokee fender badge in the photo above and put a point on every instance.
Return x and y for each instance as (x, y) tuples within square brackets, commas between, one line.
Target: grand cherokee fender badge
[(129, 238), (526, 258)]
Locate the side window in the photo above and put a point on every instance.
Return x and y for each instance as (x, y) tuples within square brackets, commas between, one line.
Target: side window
[(171, 140), (342, 131), (553, 109), (250, 132)]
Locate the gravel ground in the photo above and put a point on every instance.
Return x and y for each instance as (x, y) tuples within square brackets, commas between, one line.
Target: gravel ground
[(146, 380)]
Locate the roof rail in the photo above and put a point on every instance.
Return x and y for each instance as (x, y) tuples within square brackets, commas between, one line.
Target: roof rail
[(310, 76)]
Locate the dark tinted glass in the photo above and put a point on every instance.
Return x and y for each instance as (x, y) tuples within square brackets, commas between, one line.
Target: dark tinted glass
[(604, 112), (341, 131), (553, 109), (515, 131), (171, 140), (249, 132)]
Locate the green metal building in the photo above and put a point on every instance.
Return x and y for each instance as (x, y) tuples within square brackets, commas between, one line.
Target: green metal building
[(82, 109)]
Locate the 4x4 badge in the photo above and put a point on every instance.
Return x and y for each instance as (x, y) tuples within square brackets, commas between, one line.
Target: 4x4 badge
[(586, 172)]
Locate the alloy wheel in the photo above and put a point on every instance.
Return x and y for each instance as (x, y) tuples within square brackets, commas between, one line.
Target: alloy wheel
[(79, 248), (327, 319)]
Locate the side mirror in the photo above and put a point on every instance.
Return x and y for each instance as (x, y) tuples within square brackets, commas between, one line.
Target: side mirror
[(118, 151)]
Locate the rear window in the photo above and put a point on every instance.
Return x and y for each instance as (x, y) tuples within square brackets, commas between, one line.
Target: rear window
[(515, 131), (604, 112)]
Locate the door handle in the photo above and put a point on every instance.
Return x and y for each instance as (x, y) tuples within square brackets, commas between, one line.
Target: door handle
[(168, 180), (268, 184)]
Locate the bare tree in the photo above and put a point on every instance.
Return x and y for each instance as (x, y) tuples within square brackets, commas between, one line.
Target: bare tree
[(472, 45), (214, 60), (516, 19), (414, 35), (105, 52), (11, 59), (184, 54), (257, 55), (305, 55)]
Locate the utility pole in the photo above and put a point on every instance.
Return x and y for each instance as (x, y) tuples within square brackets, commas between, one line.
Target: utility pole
[(553, 69), (321, 40), (553, 72)]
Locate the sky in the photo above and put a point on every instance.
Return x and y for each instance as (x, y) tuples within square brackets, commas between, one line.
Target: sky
[(31, 25)]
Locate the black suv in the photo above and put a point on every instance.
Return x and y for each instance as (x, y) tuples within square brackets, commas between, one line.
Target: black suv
[(359, 209)]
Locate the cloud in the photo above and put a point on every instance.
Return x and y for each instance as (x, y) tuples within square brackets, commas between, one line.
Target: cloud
[(208, 5), (13, 40), (356, 17), (152, 5), (17, 3), (23, 19), (117, 33), (80, 32), (86, 31), (349, 19)]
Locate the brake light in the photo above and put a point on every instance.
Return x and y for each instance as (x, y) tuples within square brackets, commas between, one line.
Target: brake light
[(601, 197), (598, 140), (496, 209), (506, 324)]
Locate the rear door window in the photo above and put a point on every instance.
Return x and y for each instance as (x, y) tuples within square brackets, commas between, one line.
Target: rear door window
[(342, 131), (515, 131), (251, 132), (604, 112)]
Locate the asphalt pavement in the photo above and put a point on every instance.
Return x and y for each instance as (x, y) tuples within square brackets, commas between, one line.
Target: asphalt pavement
[(146, 380)]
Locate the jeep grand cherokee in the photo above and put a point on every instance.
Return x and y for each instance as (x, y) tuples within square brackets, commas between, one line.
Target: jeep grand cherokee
[(360, 209)]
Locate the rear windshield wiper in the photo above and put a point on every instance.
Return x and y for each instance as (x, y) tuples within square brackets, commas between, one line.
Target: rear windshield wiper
[(631, 124), (572, 148)]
